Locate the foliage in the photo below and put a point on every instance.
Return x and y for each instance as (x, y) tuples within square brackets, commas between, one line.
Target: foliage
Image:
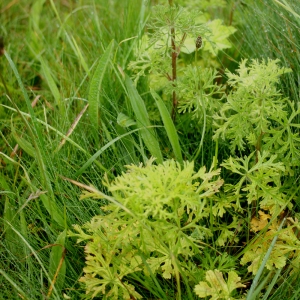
[(260, 180), (217, 287), (154, 51), (255, 102), (286, 247), (167, 228), (198, 93), (161, 229), (174, 29)]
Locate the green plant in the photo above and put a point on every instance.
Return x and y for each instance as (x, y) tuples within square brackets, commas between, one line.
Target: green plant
[(82, 116), (218, 288), (172, 30), (159, 213), (255, 101), (274, 33), (161, 231)]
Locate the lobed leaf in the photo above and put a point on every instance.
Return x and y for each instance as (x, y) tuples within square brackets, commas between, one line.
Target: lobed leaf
[(216, 287)]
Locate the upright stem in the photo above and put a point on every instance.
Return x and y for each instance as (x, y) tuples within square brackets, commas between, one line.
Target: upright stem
[(258, 145), (174, 72), (257, 150)]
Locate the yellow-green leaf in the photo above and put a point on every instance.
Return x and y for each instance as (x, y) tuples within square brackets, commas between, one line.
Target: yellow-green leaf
[(216, 287)]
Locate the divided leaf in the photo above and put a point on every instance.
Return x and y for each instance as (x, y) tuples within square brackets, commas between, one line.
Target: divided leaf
[(254, 102), (287, 246), (216, 287)]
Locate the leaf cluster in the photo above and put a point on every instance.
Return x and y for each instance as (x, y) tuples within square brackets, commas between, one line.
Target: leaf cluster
[(163, 216), (216, 287), (259, 181), (162, 228), (155, 48), (287, 247), (198, 93), (256, 102)]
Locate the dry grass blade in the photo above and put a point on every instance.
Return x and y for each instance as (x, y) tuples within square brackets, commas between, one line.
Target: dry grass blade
[(9, 5), (57, 272), (81, 185), (72, 128), (97, 194)]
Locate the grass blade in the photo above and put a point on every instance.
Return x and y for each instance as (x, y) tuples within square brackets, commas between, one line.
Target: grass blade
[(95, 87), (143, 122), (286, 6), (34, 253), (49, 127), (57, 267), (25, 145), (13, 283), (52, 85), (272, 284), (100, 151), (169, 126), (260, 270), (38, 144)]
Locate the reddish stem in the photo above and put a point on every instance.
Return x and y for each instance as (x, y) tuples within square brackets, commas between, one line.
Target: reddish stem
[(174, 73)]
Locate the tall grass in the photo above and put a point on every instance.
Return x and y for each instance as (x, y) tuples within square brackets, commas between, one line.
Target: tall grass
[(270, 29), (52, 50)]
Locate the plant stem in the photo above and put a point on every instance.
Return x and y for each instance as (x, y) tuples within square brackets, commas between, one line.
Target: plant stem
[(174, 72), (257, 150), (258, 145)]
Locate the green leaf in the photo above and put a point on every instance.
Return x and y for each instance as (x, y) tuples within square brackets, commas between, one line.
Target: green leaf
[(57, 266), (35, 14), (25, 145), (169, 126), (124, 120), (52, 85), (150, 190), (219, 37), (109, 254), (226, 234), (255, 102), (147, 133), (95, 87), (78, 53), (216, 287), (260, 180)]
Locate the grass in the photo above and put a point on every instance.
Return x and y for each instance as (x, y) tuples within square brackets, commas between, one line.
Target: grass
[(58, 54), (274, 34), (51, 58)]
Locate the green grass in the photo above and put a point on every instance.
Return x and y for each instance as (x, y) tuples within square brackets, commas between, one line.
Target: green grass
[(67, 54), (271, 30), (49, 58)]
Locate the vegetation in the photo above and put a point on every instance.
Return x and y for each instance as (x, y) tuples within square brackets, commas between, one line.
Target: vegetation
[(149, 149)]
